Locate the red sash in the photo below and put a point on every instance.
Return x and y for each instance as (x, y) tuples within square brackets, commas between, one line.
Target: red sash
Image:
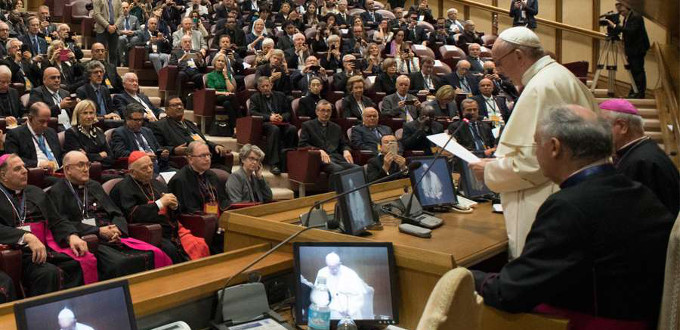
[(194, 246), (583, 321), (88, 263), (160, 259)]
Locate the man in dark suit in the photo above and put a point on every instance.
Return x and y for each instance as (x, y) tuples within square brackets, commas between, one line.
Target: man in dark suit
[(416, 131), (349, 70), (476, 63), (475, 135), (157, 44), (297, 55), (355, 42), (425, 80), (523, 13), (366, 136), (469, 36), (132, 95), (635, 44), (422, 12), (274, 108), (38, 44), (10, 105), (133, 136), (286, 40), (236, 35), (387, 162), (401, 104), (111, 78), (23, 72), (462, 79), (277, 73), (98, 93), (491, 106), (370, 17), (416, 34), (189, 62), (327, 136), (51, 94), (35, 142), (174, 133), (301, 78), (342, 18), (501, 84), (597, 246)]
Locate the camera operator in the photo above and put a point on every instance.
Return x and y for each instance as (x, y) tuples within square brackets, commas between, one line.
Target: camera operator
[(635, 43), (523, 13), (65, 35)]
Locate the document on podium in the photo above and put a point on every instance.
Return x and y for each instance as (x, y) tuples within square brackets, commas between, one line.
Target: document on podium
[(453, 147)]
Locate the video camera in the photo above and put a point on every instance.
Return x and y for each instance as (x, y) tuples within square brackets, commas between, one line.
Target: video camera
[(612, 16)]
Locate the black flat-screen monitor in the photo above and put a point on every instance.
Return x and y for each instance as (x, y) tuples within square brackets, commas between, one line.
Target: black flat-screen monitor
[(469, 185), (436, 188), (100, 307), (361, 279), (356, 210)]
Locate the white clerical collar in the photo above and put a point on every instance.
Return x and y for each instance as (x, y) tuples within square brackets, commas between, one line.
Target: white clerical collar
[(535, 68), (633, 142)]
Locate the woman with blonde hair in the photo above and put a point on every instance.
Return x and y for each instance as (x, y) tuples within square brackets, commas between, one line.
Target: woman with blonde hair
[(222, 80), (444, 104), (62, 58), (84, 136)]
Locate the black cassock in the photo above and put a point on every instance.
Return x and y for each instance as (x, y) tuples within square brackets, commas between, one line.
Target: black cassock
[(113, 259), (137, 201), (645, 162), (7, 292), (193, 190), (60, 271)]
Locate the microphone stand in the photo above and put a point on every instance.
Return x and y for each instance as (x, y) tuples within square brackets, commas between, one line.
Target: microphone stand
[(407, 210)]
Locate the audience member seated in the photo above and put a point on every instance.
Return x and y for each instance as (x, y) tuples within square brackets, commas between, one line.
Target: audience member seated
[(257, 34), (111, 78), (475, 135), (425, 81), (128, 27), (174, 133), (462, 79), (386, 81), (469, 35), (501, 84), (23, 72), (422, 12), (64, 60), (37, 44), (355, 102), (145, 200), (222, 80), (287, 40), (277, 72), (156, 43), (94, 91), (399, 21), (310, 18), (349, 63), (373, 60), (233, 61), (248, 185), (4, 38), (302, 78), (274, 108), (10, 105), (452, 23), (440, 36), (415, 34), (398, 43), (639, 157), (84, 136), (388, 161), (366, 136), (444, 104), (416, 132), (133, 95), (476, 63), (91, 211), (331, 47), (383, 35), (47, 265), (197, 43), (342, 17), (370, 17), (606, 232), (307, 104), (207, 195), (262, 55), (491, 107), (35, 142), (50, 93), (357, 43), (407, 62), (64, 34), (329, 138), (236, 36), (132, 137), (189, 62), (401, 104), (47, 29)]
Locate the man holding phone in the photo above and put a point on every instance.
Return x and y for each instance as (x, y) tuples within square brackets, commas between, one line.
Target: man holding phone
[(311, 69), (388, 161), (52, 94), (401, 104)]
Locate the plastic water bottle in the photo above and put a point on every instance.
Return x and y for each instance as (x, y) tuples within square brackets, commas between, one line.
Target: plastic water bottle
[(346, 323), (319, 316)]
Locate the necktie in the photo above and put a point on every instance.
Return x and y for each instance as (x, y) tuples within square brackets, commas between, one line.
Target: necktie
[(56, 98), (127, 23), (479, 144), (36, 45), (377, 133), (141, 141), (100, 101), (43, 147), (428, 82), (111, 18)]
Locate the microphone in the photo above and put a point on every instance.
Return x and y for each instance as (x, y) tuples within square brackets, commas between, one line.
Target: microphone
[(407, 210), (216, 318)]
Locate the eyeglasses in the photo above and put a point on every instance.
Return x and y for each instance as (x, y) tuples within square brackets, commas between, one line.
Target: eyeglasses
[(253, 159), (498, 61), (81, 165), (136, 119), (205, 156), (176, 105)]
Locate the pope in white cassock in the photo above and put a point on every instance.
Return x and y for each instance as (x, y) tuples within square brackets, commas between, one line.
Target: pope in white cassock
[(347, 289), (515, 172), (68, 321), (432, 186)]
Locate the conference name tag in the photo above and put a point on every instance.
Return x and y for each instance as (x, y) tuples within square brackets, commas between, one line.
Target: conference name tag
[(90, 222), (210, 208), (196, 137), (25, 228), (108, 84)]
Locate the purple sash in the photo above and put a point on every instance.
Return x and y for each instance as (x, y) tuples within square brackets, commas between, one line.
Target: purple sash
[(88, 263), (160, 259)]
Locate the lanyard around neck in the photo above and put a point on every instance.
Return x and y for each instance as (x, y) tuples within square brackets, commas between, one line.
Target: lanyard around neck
[(21, 211)]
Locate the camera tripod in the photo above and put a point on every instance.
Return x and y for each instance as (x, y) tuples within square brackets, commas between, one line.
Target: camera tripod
[(609, 59)]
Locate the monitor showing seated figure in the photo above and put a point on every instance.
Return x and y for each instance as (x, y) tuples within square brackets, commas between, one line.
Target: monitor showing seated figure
[(436, 187), (355, 208), (97, 307), (360, 277)]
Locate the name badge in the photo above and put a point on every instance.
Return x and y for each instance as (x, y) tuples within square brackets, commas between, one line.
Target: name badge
[(421, 17), (48, 39), (191, 63), (196, 137), (90, 221), (27, 83), (25, 228), (154, 48), (210, 208), (107, 82)]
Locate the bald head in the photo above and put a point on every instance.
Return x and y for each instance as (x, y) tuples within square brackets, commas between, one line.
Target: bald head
[(52, 78)]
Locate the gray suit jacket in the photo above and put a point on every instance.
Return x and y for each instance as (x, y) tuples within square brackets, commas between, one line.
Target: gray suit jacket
[(101, 14), (239, 190), (390, 106), (197, 40), (133, 21)]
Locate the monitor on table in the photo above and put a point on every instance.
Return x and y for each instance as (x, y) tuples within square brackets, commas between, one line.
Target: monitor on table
[(436, 188), (105, 306), (356, 210), (361, 278)]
